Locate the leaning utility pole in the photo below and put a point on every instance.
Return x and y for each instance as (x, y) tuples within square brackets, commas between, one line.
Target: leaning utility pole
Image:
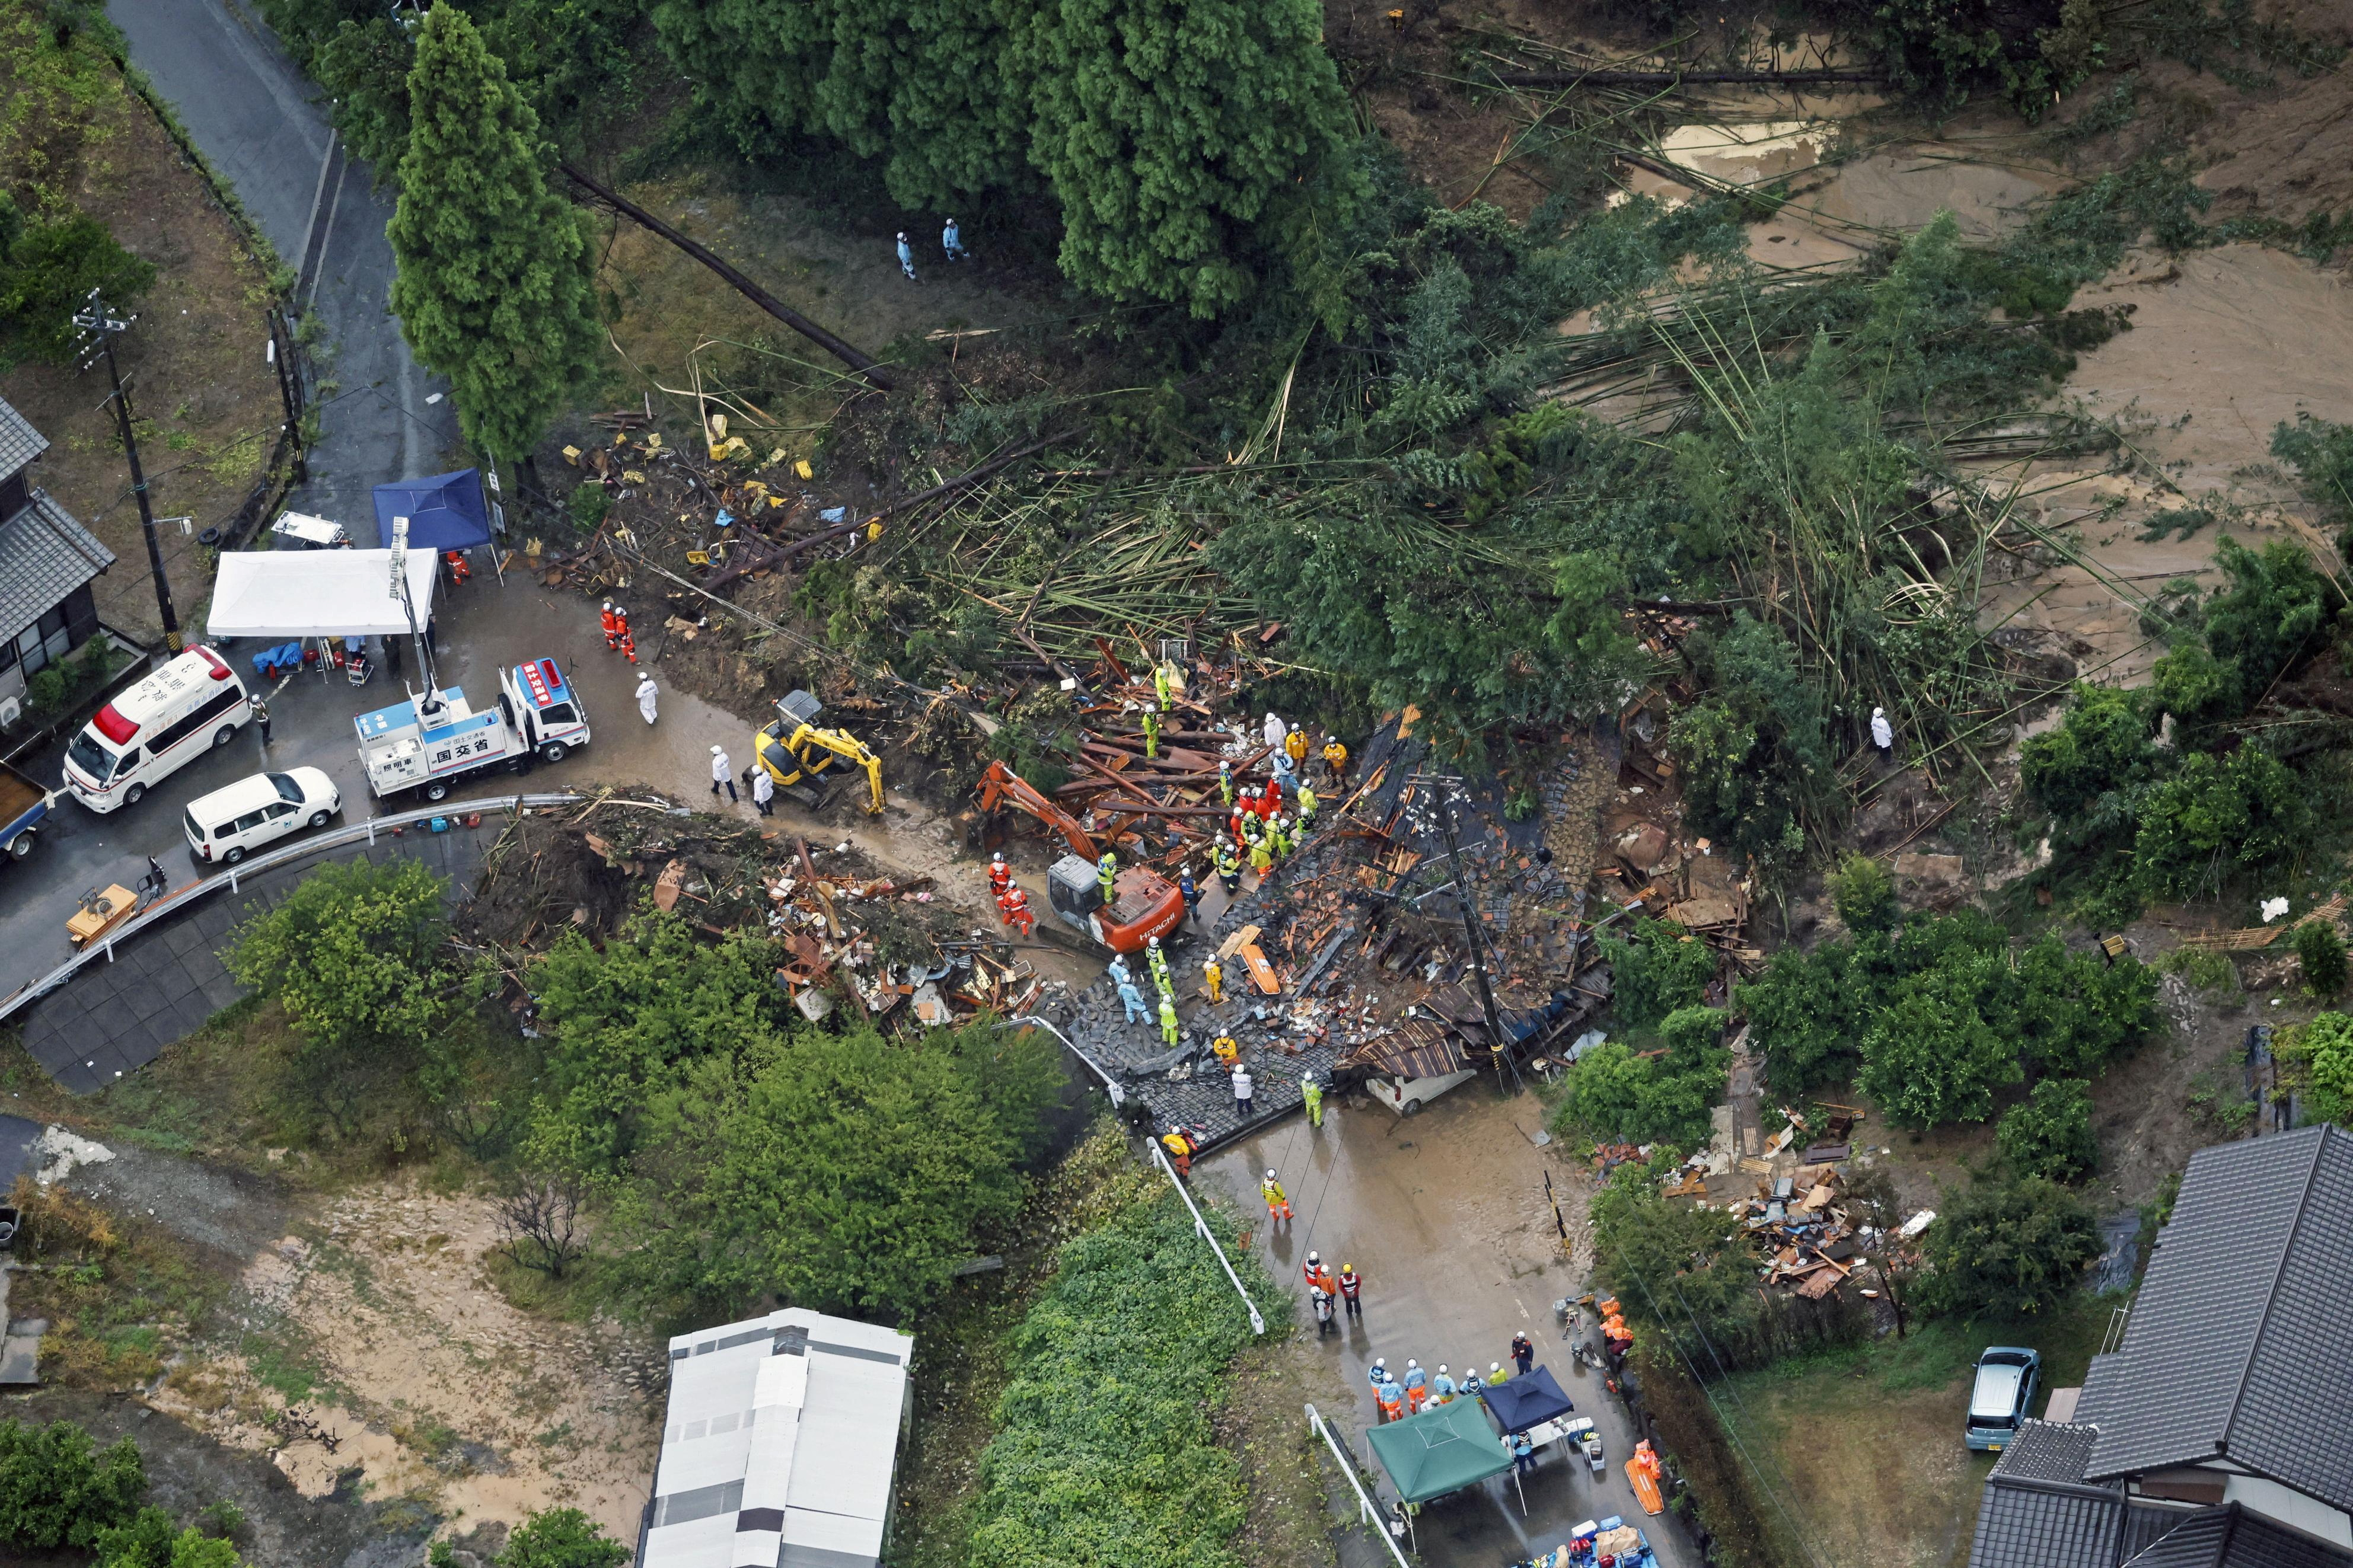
[(99, 327), (1444, 789)]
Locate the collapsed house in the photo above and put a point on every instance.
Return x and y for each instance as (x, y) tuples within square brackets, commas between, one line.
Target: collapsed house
[(1355, 963)]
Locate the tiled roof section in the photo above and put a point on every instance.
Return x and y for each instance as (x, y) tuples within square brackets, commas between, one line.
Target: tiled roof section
[(20, 442), (2047, 1451), (2101, 1381), (44, 555), (2146, 1523), (2232, 1537), (2235, 1341), (2044, 1524)]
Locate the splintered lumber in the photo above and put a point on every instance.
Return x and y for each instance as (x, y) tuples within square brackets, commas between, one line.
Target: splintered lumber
[(2249, 938)]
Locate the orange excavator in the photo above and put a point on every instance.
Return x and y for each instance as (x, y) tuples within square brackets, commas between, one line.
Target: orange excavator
[(1144, 904)]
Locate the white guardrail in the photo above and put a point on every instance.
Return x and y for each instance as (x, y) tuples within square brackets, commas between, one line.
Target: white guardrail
[(229, 879)]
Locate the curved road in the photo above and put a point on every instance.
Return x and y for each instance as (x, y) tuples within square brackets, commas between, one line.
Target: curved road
[(258, 120)]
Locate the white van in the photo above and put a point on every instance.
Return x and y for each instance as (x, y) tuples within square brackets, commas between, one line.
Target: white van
[(157, 727), (229, 824)]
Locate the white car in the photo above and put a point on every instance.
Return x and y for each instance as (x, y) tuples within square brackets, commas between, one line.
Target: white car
[(230, 824)]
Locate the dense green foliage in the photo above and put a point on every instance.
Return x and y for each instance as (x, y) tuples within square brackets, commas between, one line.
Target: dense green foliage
[(2048, 1133), (2008, 1247), (151, 1540), (2320, 956), (561, 1537), (1655, 969), (890, 1158), (2134, 819), (575, 61), (2319, 1057), (1184, 139), (59, 1488), (48, 269), (1614, 1094), (1864, 893), (493, 283), (355, 954), (1190, 149), (1935, 1016), (1104, 1454)]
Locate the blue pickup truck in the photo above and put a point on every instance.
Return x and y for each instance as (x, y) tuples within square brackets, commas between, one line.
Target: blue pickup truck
[(23, 806)]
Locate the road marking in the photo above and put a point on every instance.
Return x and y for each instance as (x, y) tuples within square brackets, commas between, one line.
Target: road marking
[(1522, 1306), (327, 230), (311, 225)]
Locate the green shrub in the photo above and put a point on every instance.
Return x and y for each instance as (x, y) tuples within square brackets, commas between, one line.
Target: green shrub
[(46, 274), (1656, 969), (59, 1489), (2007, 1247), (2322, 455), (843, 1171), (1614, 1095), (1865, 894), (2319, 1055), (2217, 818), (1807, 1012), (2104, 748), (561, 1537), (2050, 1132), (2320, 955), (1104, 1451)]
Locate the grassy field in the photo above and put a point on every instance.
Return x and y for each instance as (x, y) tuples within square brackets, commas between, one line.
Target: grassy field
[(1868, 1440)]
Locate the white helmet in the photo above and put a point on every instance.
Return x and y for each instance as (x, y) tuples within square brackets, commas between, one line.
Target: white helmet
[(1152, 941), (1315, 1258), (1307, 1077), (1381, 1361), (1441, 1369), (1269, 1173), (608, 604), (718, 750)]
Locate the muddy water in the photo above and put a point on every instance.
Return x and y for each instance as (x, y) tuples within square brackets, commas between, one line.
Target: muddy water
[(1445, 1216), (2226, 345)]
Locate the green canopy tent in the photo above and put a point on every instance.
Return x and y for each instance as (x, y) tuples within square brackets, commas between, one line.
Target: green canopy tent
[(1443, 1449)]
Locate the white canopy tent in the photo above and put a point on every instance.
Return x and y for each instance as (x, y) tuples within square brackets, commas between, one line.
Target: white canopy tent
[(290, 593)]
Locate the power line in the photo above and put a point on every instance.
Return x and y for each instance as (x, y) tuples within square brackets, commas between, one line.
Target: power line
[(1771, 1494)]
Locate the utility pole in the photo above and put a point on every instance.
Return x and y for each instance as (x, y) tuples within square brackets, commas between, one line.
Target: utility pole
[(99, 328), (1444, 789)]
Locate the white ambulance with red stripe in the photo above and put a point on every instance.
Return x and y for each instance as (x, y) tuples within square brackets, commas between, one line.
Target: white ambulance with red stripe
[(191, 705)]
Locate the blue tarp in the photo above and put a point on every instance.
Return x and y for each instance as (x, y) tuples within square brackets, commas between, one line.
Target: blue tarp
[(444, 512), (1527, 1399)]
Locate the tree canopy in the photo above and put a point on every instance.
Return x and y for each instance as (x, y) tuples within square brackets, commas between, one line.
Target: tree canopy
[(493, 283)]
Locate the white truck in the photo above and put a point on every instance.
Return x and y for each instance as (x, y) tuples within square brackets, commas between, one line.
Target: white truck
[(427, 744)]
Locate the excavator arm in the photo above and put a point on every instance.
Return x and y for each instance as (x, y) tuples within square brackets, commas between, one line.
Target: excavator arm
[(1000, 786), (850, 749)]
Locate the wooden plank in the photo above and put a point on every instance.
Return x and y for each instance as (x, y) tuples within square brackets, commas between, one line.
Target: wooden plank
[(1233, 944)]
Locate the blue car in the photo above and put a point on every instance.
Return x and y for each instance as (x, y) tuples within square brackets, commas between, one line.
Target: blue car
[(2003, 1391)]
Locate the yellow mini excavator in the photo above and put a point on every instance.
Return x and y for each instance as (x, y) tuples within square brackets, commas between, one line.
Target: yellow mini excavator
[(794, 751)]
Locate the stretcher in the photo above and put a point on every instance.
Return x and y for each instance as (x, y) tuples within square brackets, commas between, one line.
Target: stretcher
[(1646, 1488), (1261, 972)]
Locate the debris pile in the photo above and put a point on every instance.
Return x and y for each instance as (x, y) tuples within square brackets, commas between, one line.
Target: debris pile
[(1352, 963), (1793, 1210), (848, 933)]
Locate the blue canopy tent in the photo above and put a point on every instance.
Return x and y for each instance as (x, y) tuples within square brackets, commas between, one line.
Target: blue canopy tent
[(1528, 1400), (444, 511)]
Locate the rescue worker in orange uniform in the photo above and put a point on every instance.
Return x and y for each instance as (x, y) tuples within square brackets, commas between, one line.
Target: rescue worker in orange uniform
[(612, 623), (459, 569), (628, 644), (1014, 906), (1000, 876)]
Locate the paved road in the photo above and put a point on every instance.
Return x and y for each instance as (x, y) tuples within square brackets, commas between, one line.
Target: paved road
[(257, 119)]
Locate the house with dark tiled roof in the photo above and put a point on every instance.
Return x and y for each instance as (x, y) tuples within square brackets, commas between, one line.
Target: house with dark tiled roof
[(2219, 1434), (47, 562)]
